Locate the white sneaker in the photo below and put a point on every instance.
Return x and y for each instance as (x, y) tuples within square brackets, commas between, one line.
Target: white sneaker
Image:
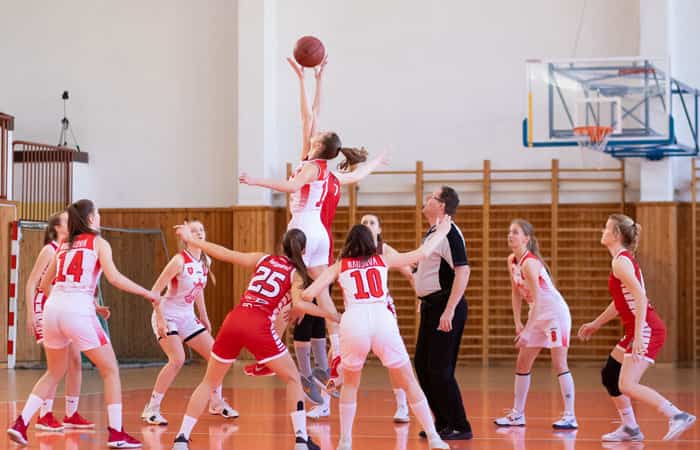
[(437, 444), (151, 414), (220, 407), (319, 411), (678, 424), (512, 419), (624, 434), (567, 422), (401, 414)]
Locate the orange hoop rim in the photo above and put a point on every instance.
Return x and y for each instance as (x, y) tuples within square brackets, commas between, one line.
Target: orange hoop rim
[(596, 134)]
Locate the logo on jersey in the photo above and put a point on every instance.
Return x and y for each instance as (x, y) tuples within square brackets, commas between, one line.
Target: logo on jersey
[(194, 293), (190, 270)]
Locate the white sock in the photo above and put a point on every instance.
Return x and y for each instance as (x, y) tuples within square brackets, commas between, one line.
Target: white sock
[(347, 417), (114, 414), (422, 412), (156, 399), (71, 405), (318, 347), (46, 407), (522, 386), (31, 407), (335, 344), (186, 428), (627, 417), (303, 351), (400, 395), (299, 424), (669, 410), (568, 391), (216, 395)]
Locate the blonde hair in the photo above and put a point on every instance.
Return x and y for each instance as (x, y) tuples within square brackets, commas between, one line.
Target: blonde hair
[(628, 229)]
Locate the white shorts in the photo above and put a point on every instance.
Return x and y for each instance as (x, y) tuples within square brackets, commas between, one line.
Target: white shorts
[(71, 318), (551, 331), (184, 324), (371, 327), (318, 242)]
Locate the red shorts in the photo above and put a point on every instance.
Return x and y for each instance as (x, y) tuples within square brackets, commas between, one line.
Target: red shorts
[(653, 337), (251, 329)]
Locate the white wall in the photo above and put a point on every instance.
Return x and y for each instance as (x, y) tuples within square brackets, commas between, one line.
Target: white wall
[(153, 93), (443, 83)]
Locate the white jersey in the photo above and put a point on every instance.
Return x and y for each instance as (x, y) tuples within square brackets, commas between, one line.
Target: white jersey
[(550, 300), (186, 286), (309, 199), (78, 268), (363, 280)]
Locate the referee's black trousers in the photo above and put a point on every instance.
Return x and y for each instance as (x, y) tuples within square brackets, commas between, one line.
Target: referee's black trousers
[(435, 361)]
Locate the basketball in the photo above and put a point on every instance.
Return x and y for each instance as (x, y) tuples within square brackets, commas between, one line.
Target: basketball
[(309, 51)]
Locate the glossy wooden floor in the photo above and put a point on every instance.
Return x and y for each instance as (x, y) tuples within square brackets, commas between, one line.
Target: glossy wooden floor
[(264, 422)]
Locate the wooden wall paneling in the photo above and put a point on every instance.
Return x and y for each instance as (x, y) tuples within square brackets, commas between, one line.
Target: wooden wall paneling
[(658, 257), (694, 254), (8, 214), (30, 245), (686, 313)]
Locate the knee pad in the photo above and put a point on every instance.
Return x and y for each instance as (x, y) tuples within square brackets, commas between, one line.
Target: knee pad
[(303, 330), (318, 328), (610, 376)]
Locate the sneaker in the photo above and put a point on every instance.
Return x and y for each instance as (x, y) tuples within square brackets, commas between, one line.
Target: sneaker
[(301, 444), (120, 439), (181, 443), (567, 422), (151, 415), (456, 435), (401, 414), (220, 407), (678, 424), (18, 432), (311, 391), (320, 411), (437, 443), (512, 419), (624, 434), (77, 421), (258, 370), (48, 423)]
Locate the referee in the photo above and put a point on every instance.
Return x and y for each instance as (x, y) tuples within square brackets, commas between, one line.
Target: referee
[(440, 281)]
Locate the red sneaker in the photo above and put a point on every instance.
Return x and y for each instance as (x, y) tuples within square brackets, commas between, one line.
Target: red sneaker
[(48, 423), (119, 439), (18, 432), (258, 370), (77, 421)]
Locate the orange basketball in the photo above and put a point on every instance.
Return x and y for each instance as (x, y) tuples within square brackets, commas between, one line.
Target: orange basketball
[(309, 51)]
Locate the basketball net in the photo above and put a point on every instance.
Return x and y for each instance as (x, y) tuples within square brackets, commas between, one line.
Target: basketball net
[(593, 138)]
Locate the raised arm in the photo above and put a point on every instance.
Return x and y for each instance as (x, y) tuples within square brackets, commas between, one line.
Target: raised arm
[(217, 251), (115, 278), (316, 107), (406, 270), (306, 306), (306, 115), (308, 174), (42, 262), (322, 282), (408, 258), (363, 170)]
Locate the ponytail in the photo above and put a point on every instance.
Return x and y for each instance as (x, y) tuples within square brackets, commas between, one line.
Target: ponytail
[(629, 231), (532, 245), (78, 214), (293, 245), (353, 157)]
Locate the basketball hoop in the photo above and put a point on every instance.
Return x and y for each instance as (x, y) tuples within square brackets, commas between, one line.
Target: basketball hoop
[(592, 137)]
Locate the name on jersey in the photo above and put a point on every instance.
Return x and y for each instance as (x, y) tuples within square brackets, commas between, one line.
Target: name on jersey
[(82, 243), (277, 264), (360, 263)]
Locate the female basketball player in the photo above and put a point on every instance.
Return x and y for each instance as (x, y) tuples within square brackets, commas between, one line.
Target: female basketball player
[(69, 317), (369, 325), (185, 277), (645, 334), (251, 325), (374, 224), (548, 324), (309, 186), (56, 231)]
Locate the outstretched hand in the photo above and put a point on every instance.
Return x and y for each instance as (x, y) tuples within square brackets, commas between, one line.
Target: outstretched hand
[(183, 232), (318, 70), (299, 70), (244, 178)]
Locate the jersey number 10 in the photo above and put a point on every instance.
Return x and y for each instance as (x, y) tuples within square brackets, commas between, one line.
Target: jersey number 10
[(372, 282)]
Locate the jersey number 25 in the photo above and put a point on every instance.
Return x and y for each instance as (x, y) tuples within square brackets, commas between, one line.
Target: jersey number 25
[(267, 282)]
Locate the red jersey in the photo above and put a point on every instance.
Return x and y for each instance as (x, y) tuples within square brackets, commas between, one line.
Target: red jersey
[(268, 290), (623, 299), (328, 209), (78, 268)]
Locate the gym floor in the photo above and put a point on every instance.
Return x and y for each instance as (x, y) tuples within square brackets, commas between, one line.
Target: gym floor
[(264, 422)]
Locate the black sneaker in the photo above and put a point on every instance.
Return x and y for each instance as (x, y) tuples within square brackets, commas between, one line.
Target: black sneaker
[(181, 443), (423, 435), (301, 444), (456, 435)]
